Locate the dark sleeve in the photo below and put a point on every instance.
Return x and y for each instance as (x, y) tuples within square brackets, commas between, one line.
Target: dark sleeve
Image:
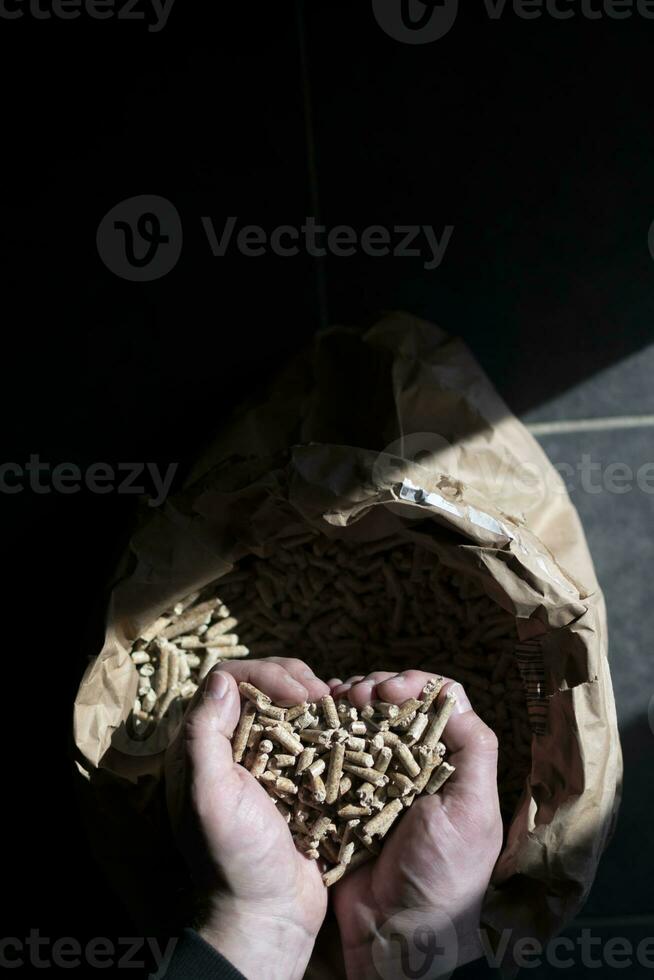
[(194, 959)]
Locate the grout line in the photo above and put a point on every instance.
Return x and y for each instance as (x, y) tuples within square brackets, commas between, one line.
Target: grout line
[(590, 425), (312, 165)]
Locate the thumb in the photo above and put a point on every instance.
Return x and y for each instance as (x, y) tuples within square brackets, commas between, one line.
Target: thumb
[(208, 728), (237, 818), (473, 751), (203, 784)]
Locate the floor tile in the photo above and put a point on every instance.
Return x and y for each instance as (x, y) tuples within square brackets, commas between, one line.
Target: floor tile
[(612, 486), (618, 528), (624, 388)]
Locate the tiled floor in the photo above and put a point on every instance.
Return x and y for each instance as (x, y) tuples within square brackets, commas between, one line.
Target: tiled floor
[(618, 527), (568, 346), (617, 510), (623, 389)]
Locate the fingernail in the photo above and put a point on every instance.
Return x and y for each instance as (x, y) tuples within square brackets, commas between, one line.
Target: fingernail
[(309, 674), (218, 686), (462, 702)]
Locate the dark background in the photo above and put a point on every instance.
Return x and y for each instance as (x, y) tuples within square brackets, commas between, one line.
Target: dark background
[(533, 138)]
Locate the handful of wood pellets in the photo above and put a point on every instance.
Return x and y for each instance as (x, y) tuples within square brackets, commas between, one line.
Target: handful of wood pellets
[(346, 608), (341, 777)]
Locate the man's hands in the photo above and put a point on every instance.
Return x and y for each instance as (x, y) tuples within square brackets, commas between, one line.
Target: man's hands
[(437, 862), (267, 901)]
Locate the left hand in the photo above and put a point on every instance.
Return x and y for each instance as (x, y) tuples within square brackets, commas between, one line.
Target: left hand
[(266, 900)]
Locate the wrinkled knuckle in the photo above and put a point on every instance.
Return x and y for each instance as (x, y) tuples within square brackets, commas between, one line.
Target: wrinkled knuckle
[(486, 739), (189, 731)]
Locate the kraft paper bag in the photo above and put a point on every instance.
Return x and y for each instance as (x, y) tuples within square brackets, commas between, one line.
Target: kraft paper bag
[(394, 429)]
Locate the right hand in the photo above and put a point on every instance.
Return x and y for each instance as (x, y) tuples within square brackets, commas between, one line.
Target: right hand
[(437, 862)]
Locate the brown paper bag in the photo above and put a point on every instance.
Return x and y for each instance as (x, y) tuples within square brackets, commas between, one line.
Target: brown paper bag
[(395, 430)]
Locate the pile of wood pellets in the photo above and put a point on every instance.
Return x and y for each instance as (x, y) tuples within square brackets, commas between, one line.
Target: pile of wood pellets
[(176, 652), (346, 609), (341, 778)]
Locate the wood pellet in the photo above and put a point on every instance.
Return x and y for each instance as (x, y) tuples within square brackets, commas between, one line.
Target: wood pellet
[(343, 825), (347, 609)]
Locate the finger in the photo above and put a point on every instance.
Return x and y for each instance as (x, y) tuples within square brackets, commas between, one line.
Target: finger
[(342, 690), (406, 684), (302, 673), (334, 682), (228, 803), (364, 691), (472, 748), (208, 728), (271, 678)]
